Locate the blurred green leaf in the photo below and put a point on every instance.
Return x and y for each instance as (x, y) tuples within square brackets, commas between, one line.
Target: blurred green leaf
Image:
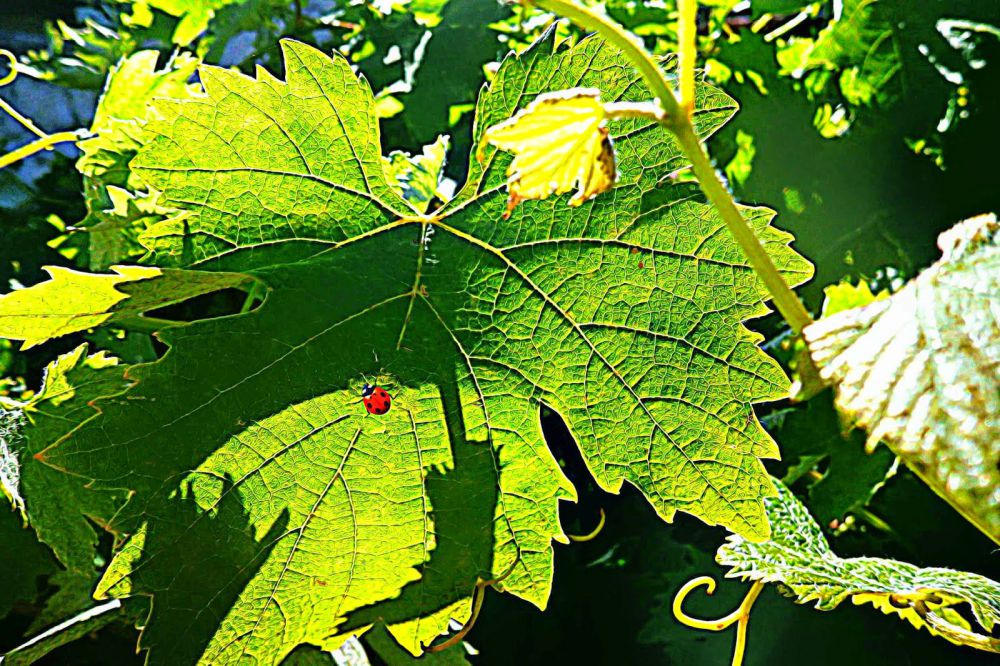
[(58, 506), (811, 438)]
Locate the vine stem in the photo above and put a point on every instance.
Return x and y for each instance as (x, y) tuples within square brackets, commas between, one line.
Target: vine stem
[(677, 121), (687, 52), (44, 141), (38, 146), (785, 300), (617, 35)]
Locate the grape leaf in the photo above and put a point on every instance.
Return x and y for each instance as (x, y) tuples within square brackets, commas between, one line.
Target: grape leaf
[(75, 301), (799, 557), (123, 108), (622, 314), (57, 505), (919, 370)]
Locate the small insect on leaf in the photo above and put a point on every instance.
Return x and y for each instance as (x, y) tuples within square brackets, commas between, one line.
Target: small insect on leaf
[(560, 143), (376, 400)]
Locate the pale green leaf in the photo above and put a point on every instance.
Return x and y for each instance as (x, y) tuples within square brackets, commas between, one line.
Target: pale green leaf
[(124, 108), (799, 557), (844, 295), (560, 143)]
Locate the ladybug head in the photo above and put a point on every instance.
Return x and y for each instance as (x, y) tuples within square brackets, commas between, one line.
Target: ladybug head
[(367, 391)]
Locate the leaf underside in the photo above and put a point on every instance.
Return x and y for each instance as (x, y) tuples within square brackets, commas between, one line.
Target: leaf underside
[(304, 519), (921, 370), (799, 556)]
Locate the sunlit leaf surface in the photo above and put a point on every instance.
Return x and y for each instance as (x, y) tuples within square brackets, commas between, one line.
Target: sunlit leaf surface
[(303, 518)]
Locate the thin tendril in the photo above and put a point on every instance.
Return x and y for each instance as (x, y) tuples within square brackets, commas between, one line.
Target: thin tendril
[(478, 596), (740, 616), (592, 534)]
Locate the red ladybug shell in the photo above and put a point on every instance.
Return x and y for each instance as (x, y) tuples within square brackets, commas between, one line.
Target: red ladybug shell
[(376, 400)]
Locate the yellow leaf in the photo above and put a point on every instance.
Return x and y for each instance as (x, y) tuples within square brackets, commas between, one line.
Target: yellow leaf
[(560, 143)]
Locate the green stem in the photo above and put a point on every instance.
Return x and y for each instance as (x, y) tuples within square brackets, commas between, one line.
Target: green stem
[(252, 296), (38, 146), (616, 35), (687, 30), (785, 300)]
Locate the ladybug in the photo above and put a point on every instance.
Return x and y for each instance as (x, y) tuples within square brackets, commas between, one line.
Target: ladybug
[(376, 400)]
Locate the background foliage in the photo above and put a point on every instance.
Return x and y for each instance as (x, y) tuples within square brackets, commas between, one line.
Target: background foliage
[(867, 125)]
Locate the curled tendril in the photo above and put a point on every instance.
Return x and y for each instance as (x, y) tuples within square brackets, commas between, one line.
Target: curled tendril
[(13, 67), (44, 141), (478, 595), (579, 538), (740, 616)]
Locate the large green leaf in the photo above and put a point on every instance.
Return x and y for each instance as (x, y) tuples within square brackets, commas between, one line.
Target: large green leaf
[(799, 556), (623, 315)]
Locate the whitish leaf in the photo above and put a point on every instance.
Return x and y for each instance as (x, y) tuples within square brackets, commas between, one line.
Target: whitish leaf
[(799, 557), (919, 370), (418, 177), (623, 314)]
